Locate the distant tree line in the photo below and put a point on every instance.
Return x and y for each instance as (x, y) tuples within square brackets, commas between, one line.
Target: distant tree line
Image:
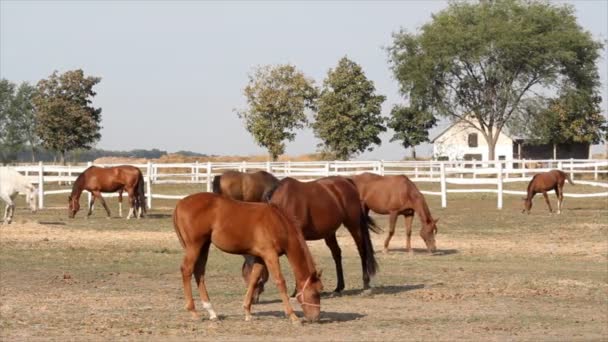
[(523, 65)]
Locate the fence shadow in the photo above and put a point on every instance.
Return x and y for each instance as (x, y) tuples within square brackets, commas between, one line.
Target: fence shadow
[(424, 251), (158, 216), (326, 316), (52, 223), (382, 289)]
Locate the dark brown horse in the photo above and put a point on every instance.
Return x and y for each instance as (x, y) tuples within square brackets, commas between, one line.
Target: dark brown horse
[(258, 229), (242, 186), (397, 195), (248, 187), (546, 181), (110, 179), (319, 208)]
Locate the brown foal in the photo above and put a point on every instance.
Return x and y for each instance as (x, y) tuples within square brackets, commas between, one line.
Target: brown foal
[(546, 181)]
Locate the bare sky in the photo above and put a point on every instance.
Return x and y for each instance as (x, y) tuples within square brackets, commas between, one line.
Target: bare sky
[(173, 72)]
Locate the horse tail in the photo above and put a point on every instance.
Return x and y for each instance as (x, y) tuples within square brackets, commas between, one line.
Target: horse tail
[(367, 224), (141, 193), (179, 235), (216, 184)]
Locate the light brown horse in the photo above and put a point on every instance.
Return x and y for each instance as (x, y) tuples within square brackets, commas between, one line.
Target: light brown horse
[(243, 186), (394, 196), (319, 208), (546, 181), (258, 229), (248, 187), (109, 179)]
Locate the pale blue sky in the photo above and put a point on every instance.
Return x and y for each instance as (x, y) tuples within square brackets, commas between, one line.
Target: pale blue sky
[(174, 71)]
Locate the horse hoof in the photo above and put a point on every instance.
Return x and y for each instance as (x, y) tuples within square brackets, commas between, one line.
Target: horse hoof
[(296, 321), (248, 318), (367, 291), (385, 250)]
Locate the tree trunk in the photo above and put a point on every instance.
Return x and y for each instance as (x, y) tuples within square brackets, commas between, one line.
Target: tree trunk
[(62, 160), (413, 153), (491, 149), (32, 150), (554, 151)]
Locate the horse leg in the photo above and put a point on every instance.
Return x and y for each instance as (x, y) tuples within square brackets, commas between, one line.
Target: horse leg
[(336, 253), (559, 192), (120, 203), (105, 206), (199, 276), (548, 202), (254, 276), (355, 233), (91, 205), (133, 209), (187, 268), (408, 232), (392, 221), (274, 268)]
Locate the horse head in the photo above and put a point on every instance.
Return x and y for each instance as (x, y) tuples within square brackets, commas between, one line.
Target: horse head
[(31, 197), (309, 297), (527, 205), (73, 206), (428, 235)]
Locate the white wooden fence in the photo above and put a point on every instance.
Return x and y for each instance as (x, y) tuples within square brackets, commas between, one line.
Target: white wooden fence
[(494, 174)]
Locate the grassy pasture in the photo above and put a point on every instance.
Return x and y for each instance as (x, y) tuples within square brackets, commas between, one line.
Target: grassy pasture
[(500, 275)]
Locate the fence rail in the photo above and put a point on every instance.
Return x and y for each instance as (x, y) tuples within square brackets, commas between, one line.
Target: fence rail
[(494, 173)]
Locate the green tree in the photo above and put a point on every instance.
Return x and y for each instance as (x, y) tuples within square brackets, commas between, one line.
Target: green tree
[(66, 118), (25, 115), (483, 60), (411, 126), (277, 97), (349, 116), (574, 116), (11, 128)]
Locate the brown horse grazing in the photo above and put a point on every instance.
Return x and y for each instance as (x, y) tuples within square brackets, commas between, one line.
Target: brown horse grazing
[(319, 208), (242, 186), (110, 179), (543, 182), (397, 195), (258, 229), (248, 187)]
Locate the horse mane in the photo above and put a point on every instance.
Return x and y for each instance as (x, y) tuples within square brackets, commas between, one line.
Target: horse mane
[(295, 223), (77, 187), (267, 196)]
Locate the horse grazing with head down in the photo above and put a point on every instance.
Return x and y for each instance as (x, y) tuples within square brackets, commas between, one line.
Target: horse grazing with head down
[(319, 208), (110, 179), (243, 186), (546, 181), (397, 195), (11, 184), (258, 229)]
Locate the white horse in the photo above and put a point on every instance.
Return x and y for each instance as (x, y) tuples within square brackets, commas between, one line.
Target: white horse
[(11, 184)]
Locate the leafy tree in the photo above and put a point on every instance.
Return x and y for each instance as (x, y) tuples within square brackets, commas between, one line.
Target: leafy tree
[(411, 126), (25, 114), (348, 120), (277, 97), (484, 60), (574, 116), (12, 124), (66, 119)]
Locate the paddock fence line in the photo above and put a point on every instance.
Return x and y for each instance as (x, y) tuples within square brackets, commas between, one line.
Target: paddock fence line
[(488, 173)]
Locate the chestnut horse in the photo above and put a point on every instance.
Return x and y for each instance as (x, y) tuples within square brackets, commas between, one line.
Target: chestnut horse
[(319, 208), (248, 187), (258, 229), (110, 179), (242, 186), (543, 182), (397, 195)]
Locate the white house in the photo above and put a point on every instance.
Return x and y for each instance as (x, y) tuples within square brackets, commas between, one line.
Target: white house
[(460, 141)]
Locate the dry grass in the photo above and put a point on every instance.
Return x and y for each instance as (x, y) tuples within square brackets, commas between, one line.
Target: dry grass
[(500, 275)]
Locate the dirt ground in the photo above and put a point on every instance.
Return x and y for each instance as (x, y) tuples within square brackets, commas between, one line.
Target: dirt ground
[(499, 275)]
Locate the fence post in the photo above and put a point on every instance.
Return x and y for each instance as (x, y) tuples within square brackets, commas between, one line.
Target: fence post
[(288, 170), (40, 185), (193, 172), (559, 165), (416, 171), (595, 171), (499, 181), (523, 174), (444, 200), (431, 168), (474, 169), (571, 169), (382, 167), (149, 185), (268, 168), (209, 189), (244, 166), (89, 197), (326, 169)]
